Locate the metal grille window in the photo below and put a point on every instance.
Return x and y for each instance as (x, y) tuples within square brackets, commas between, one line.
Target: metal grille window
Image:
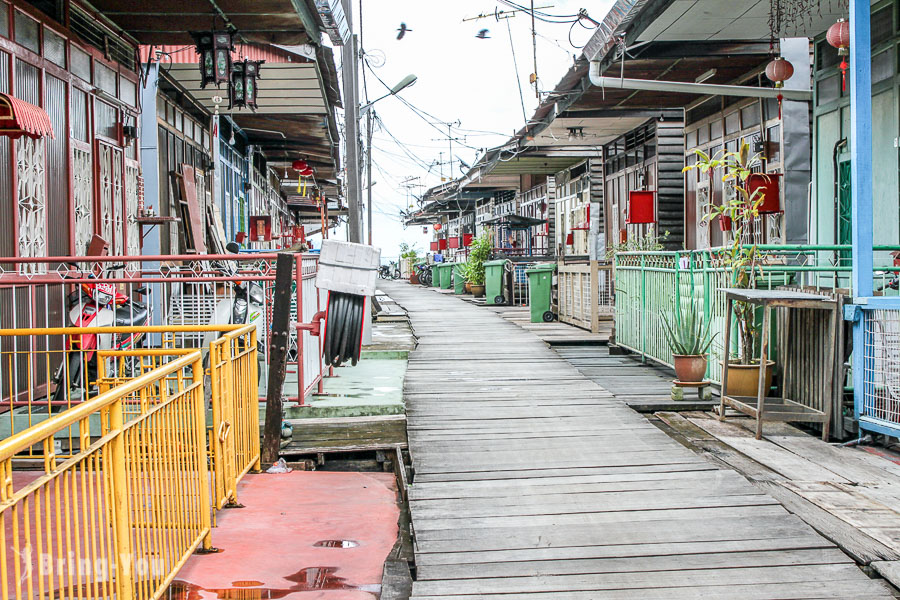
[(28, 32), (131, 211), (881, 365), (106, 78), (54, 48), (81, 63), (4, 19), (83, 196)]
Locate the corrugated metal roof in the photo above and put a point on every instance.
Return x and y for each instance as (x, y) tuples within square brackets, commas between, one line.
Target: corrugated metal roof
[(188, 54)]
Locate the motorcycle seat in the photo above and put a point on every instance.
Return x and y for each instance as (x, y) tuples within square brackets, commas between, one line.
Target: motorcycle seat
[(131, 314)]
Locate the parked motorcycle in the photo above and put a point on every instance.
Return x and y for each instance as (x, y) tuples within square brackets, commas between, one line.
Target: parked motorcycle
[(97, 305), (389, 271), (244, 305)]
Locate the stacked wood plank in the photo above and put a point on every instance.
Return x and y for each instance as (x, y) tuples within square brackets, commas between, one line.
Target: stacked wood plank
[(531, 481)]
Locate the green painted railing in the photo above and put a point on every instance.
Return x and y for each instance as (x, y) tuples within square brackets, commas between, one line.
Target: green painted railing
[(650, 285)]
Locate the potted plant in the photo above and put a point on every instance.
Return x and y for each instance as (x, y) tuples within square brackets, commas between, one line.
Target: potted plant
[(689, 339), (479, 252), (741, 261)]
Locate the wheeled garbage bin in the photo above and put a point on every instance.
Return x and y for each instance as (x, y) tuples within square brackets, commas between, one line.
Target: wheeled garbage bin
[(446, 281), (540, 288), (459, 278), (494, 275)]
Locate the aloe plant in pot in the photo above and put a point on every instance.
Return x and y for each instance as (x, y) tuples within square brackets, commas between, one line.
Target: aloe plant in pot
[(689, 338)]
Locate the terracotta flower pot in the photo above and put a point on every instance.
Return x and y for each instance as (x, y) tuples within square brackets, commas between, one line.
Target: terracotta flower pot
[(743, 380), (689, 368), (468, 288), (477, 290)]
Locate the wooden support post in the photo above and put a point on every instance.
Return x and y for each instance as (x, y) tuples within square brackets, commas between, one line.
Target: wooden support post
[(729, 312), (762, 391), (278, 349)]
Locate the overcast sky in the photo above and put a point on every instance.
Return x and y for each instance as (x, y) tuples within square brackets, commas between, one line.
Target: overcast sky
[(460, 78)]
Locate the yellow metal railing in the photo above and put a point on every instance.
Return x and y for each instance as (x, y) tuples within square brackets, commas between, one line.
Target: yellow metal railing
[(235, 410), (135, 470), (121, 514)]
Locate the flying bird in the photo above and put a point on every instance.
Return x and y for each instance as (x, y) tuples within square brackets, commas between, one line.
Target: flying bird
[(402, 31), (483, 35)]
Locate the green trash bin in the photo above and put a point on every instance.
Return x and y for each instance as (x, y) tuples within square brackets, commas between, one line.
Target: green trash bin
[(540, 287), (446, 281), (436, 275), (494, 273), (459, 278)]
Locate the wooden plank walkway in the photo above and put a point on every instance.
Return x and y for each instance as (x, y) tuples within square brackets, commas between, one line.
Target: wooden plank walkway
[(533, 482)]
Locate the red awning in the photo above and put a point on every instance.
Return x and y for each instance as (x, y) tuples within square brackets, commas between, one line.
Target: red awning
[(18, 118)]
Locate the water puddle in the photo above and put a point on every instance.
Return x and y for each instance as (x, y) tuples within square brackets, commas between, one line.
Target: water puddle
[(336, 544), (305, 580)]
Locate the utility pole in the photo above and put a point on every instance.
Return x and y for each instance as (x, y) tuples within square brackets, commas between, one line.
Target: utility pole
[(450, 139), (369, 170), (537, 93), (350, 54)]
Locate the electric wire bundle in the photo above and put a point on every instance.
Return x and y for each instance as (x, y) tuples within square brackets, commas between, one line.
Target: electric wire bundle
[(343, 328)]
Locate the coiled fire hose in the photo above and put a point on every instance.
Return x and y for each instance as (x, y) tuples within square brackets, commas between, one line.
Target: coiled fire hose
[(343, 328)]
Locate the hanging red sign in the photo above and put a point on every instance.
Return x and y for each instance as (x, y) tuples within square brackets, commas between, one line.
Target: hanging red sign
[(641, 207)]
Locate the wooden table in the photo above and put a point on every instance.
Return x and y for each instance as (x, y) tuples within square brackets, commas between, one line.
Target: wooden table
[(764, 407)]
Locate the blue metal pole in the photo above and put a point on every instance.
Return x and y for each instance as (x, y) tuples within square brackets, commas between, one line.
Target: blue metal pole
[(861, 182), (861, 146)]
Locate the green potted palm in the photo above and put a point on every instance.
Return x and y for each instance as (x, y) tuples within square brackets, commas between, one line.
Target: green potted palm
[(479, 252), (741, 261), (689, 338)]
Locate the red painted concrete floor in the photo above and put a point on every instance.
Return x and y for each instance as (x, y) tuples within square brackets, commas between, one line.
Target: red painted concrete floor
[(269, 547)]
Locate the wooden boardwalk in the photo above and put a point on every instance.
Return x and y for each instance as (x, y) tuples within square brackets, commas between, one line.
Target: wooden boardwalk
[(531, 481)]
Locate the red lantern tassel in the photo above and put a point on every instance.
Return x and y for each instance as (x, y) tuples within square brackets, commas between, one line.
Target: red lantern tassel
[(780, 98), (844, 66)]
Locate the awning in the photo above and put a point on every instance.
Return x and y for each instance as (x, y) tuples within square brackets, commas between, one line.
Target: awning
[(513, 221), (18, 118)]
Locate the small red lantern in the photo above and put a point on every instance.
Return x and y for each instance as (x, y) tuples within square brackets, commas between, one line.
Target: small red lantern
[(437, 226), (839, 36), (307, 172), (299, 165), (779, 71), (641, 207)]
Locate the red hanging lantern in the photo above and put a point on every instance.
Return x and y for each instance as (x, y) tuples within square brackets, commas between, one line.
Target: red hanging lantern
[(839, 36), (779, 71), (299, 165), (307, 172), (437, 226)]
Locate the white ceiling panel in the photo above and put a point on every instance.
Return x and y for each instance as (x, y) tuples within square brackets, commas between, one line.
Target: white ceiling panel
[(687, 20), (671, 14)]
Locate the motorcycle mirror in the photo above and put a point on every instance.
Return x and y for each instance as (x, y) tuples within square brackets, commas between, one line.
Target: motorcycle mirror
[(232, 247)]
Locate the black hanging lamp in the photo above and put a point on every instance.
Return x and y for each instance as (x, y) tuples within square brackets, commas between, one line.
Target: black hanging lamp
[(214, 48), (243, 91)]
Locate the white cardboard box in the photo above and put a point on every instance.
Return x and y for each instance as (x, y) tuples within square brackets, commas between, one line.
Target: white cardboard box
[(348, 267)]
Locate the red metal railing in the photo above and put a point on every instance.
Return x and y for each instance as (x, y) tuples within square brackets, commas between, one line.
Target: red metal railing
[(176, 289)]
